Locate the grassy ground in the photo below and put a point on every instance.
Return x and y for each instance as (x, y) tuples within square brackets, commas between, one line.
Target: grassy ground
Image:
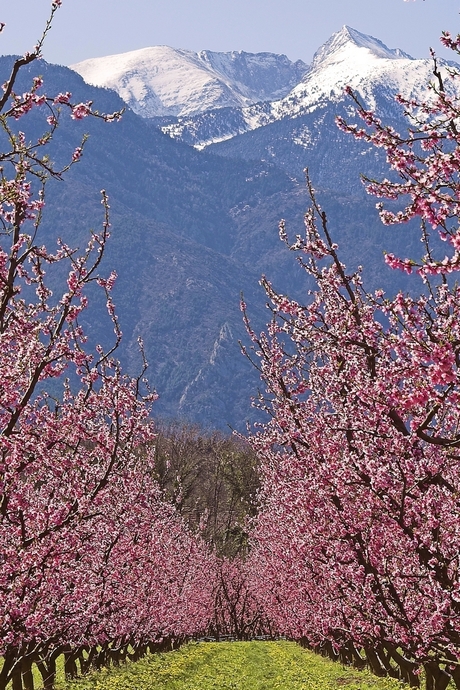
[(234, 666)]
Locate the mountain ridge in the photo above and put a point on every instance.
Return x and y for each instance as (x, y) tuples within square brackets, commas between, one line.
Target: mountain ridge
[(349, 35), (348, 58), (161, 81), (192, 229)]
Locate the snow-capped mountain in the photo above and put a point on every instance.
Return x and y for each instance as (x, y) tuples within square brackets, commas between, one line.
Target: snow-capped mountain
[(332, 51), (191, 230), (348, 58), (164, 81)]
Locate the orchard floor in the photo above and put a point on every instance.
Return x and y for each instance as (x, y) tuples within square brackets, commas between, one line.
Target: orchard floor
[(234, 666)]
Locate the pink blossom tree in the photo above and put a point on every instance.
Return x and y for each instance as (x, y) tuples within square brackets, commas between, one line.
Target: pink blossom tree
[(237, 611), (92, 560), (356, 546)]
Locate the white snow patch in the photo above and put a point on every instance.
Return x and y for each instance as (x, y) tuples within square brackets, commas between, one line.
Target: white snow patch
[(160, 80)]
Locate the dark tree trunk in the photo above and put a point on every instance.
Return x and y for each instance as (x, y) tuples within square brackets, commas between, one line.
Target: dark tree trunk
[(329, 651), (407, 668), (70, 666), (375, 663), (455, 672), (89, 662), (47, 670), (27, 674), (357, 660), (436, 677), (80, 657), (16, 678), (8, 663)]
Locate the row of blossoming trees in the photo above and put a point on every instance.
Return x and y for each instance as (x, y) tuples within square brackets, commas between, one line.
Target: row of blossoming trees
[(356, 550), (93, 563)]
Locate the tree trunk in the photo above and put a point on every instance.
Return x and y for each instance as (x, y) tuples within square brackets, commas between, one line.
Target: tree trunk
[(344, 655), (8, 663), (326, 649), (407, 668), (48, 672), (70, 666), (356, 659), (82, 661), (456, 676), (436, 677), (375, 663), (27, 674), (16, 678), (100, 660), (89, 662)]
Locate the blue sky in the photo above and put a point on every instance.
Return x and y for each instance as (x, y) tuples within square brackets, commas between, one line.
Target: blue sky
[(91, 28)]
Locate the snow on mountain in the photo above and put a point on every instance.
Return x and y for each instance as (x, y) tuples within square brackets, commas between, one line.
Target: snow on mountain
[(334, 50), (164, 81), (351, 58), (348, 58)]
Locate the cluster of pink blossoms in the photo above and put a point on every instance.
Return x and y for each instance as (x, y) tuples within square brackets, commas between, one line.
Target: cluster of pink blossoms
[(355, 551), (93, 563)]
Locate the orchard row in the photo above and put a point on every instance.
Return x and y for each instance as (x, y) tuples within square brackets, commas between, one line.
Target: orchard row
[(355, 547)]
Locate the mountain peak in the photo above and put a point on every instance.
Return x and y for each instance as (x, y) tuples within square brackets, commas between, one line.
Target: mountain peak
[(163, 81), (340, 43)]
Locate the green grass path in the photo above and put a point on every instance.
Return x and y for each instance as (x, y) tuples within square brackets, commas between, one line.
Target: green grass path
[(234, 666)]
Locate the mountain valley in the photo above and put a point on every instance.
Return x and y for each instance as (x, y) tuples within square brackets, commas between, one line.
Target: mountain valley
[(198, 180)]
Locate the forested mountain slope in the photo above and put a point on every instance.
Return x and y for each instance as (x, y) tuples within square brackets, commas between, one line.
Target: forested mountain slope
[(192, 229)]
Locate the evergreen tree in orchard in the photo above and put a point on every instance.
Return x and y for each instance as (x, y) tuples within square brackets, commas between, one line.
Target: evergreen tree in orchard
[(356, 549), (93, 563)]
